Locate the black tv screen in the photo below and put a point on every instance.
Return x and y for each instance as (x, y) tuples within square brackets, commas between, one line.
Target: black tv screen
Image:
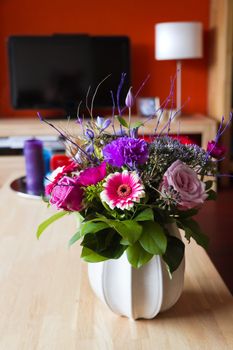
[(50, 72)]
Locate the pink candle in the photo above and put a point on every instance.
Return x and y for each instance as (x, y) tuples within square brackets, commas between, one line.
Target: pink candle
[(33, 152)]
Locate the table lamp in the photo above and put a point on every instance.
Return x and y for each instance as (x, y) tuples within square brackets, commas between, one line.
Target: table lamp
[(178, 41)]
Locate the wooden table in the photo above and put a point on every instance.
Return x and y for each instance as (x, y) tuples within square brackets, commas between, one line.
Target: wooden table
[(46, 301)]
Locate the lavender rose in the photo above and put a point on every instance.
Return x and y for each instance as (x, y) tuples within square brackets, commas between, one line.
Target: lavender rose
[(182, 179), (67, 194)]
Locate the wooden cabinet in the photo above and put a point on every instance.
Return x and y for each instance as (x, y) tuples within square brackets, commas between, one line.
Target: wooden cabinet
[(184, 125), (220, 69), (220, 58)]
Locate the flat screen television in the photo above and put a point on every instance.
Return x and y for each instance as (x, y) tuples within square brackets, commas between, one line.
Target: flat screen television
[(55, 72)]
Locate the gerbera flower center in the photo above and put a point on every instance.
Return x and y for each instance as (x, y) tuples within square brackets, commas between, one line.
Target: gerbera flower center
[(124, 190)]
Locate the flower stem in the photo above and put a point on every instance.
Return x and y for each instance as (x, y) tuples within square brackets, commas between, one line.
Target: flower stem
[(129, 118)]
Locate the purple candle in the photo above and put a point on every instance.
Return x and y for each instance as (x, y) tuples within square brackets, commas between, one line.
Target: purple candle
[(33, 152)]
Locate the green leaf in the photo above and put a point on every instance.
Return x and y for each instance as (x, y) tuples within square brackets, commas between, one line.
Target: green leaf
[(122, 121), (92, 227), (89, 256), (212, 195), (75, 238), (174, 253), (79, 219), (145, 215), (208, 185), (187, 213), (137, 125), (49, 221), (192, 229), (128, 229), (105, 205), (105, 243), (124, 242), (153, 238), (137, 256)]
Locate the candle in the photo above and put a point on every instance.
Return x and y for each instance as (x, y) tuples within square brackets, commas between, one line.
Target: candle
[(33, 152)]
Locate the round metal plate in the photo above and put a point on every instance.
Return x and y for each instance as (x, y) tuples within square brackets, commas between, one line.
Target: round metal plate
[(20, 187)]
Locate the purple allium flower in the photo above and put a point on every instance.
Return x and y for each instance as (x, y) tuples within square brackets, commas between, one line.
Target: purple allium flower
[(216, 151), (126, 151)]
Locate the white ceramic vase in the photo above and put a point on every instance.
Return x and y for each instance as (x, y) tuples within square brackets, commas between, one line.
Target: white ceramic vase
[(137, 293)]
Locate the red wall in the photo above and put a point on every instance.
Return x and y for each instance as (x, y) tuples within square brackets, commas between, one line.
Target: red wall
[(123, 17)]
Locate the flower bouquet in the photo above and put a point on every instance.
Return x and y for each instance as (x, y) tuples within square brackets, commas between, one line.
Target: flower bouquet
[(128, 191), (125, 190)]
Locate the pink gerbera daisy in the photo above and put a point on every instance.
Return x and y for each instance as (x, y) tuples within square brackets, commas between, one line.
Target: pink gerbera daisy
[(122, 190)]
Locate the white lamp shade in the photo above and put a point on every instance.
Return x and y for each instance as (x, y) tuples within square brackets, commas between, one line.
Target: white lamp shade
[(178, 40)]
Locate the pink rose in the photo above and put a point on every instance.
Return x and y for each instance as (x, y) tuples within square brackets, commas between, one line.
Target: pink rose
[(67, 194), (191, 191)]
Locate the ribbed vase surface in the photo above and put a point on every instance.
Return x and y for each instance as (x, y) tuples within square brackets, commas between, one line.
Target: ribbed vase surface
[(137, 293)]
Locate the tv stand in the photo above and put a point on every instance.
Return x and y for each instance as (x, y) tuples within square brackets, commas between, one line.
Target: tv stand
[(184, 125)]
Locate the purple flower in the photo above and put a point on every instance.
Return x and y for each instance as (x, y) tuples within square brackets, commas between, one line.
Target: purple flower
[(102, 123), (129, 99), (91, 176), (89, 134), (126, 151), (90, 149), (215, 150)]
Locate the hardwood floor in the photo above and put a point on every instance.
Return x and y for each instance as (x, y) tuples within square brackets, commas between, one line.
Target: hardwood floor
[(216, 220)]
